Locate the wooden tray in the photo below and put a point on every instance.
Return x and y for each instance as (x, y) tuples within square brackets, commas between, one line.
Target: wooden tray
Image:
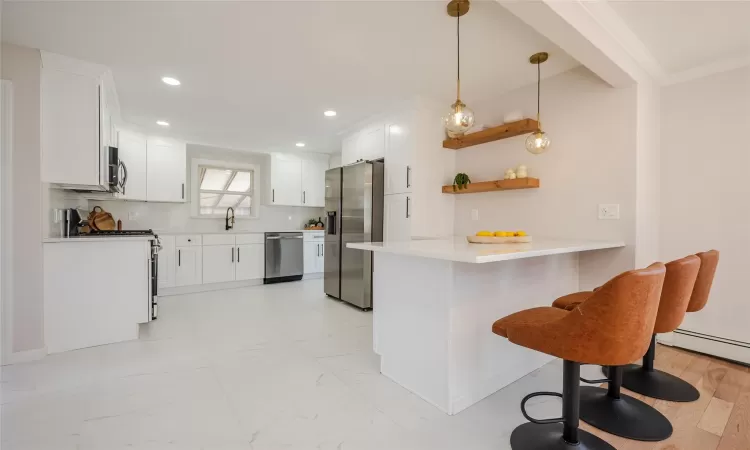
[(498, 240)]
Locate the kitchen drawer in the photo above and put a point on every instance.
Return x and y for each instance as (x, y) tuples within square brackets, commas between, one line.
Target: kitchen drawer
[(314, 236), (218, 239), (187, 240), (252, 238)]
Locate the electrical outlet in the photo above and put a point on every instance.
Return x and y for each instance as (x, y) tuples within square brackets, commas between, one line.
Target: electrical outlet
[(474, 214), (132, 215), (609, 212)]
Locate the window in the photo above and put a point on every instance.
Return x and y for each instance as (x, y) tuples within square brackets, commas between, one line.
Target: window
[(221, 185)]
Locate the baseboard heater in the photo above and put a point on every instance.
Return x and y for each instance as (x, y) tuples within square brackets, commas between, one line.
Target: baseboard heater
[(711, 345)]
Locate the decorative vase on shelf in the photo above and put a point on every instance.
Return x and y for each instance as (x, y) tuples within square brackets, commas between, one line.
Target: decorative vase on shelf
[(522, 172)]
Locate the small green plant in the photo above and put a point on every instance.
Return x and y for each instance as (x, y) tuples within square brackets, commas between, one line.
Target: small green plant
[(461, 181)]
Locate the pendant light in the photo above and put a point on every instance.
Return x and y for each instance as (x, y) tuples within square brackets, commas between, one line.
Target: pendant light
[(538, 141), (460, 118)]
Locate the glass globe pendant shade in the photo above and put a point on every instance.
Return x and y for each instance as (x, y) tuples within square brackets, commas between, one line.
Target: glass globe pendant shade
[(459, 120), (537, 142)]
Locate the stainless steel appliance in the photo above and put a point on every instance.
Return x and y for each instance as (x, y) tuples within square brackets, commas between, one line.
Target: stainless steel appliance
[(354, 213), (69, 220), (284, 257)]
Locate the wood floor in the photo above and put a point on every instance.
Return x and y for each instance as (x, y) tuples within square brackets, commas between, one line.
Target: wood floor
[(719, 420)]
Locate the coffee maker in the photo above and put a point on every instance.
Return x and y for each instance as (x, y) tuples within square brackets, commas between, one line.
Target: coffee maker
[(70, 222)]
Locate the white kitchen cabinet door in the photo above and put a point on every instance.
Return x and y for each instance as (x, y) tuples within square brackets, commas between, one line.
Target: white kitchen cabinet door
[(70, 105), (314, 182), (397, 217), (166, 259), (398, 157), (372, 143), (132, 153), (189, 269), (350, 149), (218, 263), (311, 250), (286, 180), (319, 263), (165, 170), (250, 262)]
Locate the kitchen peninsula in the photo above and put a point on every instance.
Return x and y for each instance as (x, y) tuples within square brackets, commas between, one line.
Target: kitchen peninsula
[(435, 301)]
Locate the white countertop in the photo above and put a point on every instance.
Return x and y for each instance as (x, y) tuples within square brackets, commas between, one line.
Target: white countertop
[(459, 250), (181, 232), (56, 240)]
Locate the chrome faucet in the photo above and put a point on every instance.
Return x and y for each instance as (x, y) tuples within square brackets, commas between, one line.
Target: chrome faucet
[(229, 219)]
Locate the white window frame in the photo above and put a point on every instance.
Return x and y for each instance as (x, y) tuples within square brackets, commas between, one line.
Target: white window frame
[(195, 181)]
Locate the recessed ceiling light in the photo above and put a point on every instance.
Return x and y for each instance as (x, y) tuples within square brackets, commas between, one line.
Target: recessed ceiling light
[(171, 81), (300, 144), (329, 113), (162, 123)]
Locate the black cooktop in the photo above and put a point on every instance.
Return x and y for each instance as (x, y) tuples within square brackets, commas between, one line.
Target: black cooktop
[(121, 233)]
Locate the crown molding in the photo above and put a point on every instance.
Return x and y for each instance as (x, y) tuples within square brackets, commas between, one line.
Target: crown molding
[(713, 68)]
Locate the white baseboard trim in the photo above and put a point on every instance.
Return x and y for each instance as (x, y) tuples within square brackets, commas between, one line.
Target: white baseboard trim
[(180, 290), (710, 345), (24, 356)]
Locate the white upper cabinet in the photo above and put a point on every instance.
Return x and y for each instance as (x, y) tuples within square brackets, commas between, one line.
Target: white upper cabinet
[(349, 149), (70, 128), (165, 170), (132, 153), (78, 110), (286, 180), (314, 182), (398, 156), (371, 144)]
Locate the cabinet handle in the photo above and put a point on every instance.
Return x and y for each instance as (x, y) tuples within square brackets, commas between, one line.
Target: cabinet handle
[(183, 191), (408, 176), (232, 254), (408, 214), (179, 258), (317, 249), (238, 254), (273, 195), (304, 198)]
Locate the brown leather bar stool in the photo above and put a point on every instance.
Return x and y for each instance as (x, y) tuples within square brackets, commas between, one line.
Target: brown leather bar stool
[(611, 328), (657, 384)]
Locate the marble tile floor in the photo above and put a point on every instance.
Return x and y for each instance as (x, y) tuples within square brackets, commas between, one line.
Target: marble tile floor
[(264, 368)]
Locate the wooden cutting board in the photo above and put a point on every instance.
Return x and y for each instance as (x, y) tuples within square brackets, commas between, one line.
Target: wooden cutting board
[(499, 240)]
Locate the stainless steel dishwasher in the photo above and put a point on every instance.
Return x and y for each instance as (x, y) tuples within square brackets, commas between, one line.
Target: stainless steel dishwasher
[(284, 257)]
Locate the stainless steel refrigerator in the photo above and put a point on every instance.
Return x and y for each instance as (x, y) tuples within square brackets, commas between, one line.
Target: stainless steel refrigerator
[(354, 213)]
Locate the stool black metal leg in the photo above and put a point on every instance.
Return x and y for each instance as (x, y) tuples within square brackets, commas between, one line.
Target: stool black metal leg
[(657, 384), (619, 414), (561, 433)]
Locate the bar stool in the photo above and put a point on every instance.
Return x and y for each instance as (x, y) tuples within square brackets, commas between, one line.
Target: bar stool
[(657, 384), (611, 328), (622, 415)]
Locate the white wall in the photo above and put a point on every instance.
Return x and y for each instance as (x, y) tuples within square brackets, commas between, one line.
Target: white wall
[(334, 160), (23, 67), (705, 190), (167, 217), (591, 161)]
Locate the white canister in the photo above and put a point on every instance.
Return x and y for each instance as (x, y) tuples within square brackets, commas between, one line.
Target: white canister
[(522, 171)]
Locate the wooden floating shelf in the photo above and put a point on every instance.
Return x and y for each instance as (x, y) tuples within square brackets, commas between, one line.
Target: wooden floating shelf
[(504, 131), (496, 185)]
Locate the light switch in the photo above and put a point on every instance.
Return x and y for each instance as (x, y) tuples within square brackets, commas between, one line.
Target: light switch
[(609, 211), (474, 214)]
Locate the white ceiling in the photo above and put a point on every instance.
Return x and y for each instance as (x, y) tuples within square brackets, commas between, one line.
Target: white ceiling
[(689, 36), (257, 76)]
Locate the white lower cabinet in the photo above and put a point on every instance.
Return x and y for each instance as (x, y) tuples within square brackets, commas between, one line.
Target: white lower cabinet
[(218, 263), (397, 210), (250, 262), (189, 268), (166, 258), (313, 252)]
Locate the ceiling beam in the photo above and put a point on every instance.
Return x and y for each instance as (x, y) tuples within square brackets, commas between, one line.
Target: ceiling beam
[(586, 33)]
